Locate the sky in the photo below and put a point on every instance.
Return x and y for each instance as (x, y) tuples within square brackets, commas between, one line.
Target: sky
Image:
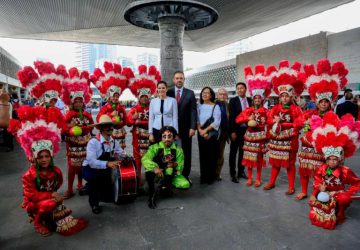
[(335, 20)]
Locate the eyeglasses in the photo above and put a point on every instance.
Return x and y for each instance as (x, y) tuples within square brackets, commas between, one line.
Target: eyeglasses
[(169, 136)]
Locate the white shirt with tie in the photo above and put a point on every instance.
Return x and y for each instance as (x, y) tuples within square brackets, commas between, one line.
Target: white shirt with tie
[(176, 91), (169, 115)]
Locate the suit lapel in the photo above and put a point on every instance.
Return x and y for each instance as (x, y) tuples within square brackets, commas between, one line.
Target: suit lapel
[(182, 96)]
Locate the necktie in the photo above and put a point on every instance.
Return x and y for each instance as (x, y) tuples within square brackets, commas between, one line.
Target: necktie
[(244, 103), (178, 96)]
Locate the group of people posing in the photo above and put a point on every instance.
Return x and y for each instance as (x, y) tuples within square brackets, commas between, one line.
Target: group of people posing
[(162, 131)]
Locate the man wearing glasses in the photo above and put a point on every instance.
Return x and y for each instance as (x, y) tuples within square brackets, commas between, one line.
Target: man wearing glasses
[(164, 160)]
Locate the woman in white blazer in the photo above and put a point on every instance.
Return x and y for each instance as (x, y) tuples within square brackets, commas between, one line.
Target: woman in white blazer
[(163, 111)]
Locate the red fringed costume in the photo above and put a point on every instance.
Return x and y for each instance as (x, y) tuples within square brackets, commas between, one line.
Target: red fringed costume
[(256, 134), (283, 143), (76, 85), (144, 84), (340, 139), (38, 130), (114, 81), (322, 84)]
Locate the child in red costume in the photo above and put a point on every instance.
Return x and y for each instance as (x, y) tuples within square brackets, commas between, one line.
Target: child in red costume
[(256, 117), (323, 86), (142, 87), (38, 132), (285, 121), (76, 93), (112, 84), (45, 84), (336, 140)]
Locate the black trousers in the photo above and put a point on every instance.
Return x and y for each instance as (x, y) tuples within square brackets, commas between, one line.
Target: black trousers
[(208, 154), (157, 135), (186, 144), (150, 178), (101, 188), (8, 139), (235, 147)]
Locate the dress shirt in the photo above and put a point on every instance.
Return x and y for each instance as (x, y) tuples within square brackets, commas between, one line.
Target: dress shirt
[(94, 151), (181, 91), (241, 102), (169, 115), (204, 113)]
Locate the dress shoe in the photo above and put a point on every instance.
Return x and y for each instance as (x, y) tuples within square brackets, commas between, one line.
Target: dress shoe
[(9, 149), (96, 209), (242, 175), (235, 179), (152, 202)]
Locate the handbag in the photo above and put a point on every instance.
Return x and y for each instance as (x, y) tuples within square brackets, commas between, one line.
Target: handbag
[(213, 134)]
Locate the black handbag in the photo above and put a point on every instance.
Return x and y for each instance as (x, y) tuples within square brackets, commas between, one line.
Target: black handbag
[(213, 134)]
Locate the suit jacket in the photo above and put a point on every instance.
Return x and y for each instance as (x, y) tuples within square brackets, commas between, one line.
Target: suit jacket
[(224, 128), (234, 110), (187, 110), (347, 107)]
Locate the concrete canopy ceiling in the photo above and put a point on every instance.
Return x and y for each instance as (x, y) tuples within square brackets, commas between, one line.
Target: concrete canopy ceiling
[(93, 21)]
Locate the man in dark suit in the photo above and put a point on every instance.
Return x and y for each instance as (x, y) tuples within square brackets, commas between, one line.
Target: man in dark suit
[(348, 107), (237, 131), (187, 113)]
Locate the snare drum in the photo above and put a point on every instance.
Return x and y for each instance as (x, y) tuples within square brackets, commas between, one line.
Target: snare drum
[(125, 181)]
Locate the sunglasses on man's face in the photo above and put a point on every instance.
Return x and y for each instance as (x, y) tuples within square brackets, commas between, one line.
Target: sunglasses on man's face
[(169, 136)]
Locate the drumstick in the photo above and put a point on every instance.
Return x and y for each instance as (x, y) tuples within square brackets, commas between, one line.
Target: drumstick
[(355, 197)]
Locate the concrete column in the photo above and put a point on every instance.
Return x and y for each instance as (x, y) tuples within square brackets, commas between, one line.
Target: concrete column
[(171, 46)]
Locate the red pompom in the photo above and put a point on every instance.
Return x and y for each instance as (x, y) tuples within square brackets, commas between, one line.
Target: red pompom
[(117, 68), (73, 72), (259, 69), (108, 66), (61, 70), (152, 70), (284, 64), (142, 69), (309, 69), (296, 66), (248, 71), (323, 66), (270, 70), (128, 73)]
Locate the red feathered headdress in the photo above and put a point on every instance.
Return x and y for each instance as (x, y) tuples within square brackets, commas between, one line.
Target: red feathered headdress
[(145, 83), (37, 129), (260, 83), (287, 79), (326, 81), (76, 84), (335, 137), (45, 84), (113, 81)]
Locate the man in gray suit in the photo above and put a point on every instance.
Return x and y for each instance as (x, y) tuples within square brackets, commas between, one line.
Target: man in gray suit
[(187, 116)]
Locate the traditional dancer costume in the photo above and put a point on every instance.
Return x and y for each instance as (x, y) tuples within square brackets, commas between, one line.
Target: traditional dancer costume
[(45, 84), (256, 117), (337, 139), (38, 130), (76, 86), (143, 85), (283, 143), (114, 81), (322, 84)]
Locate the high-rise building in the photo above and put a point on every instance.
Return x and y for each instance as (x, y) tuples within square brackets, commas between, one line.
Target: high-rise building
[(126, 62), (147, 59), (90, 56)]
